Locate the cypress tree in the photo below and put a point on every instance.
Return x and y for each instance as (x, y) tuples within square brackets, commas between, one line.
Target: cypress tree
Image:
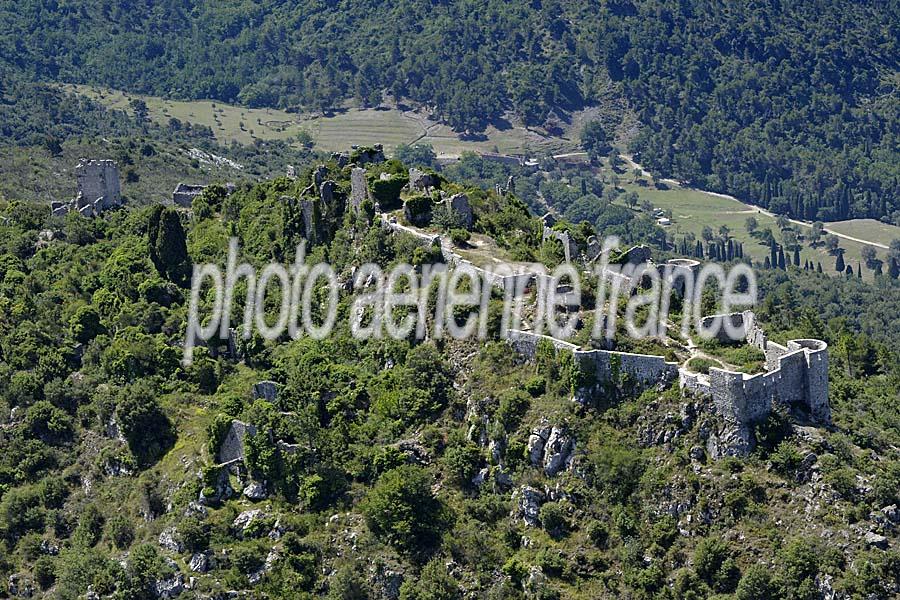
[(768, 263), (849, 271), (773, 253), (894, 269), (796, 256), (781, 262), (839, 263), (858, 270), (168, 247), (818, 267)]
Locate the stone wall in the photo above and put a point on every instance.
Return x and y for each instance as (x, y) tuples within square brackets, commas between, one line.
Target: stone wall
[(359, 188), (185, 193), (796, 378), (600, 367), (99, 179)]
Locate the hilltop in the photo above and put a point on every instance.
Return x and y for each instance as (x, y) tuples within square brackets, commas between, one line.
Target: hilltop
[(386, 468)]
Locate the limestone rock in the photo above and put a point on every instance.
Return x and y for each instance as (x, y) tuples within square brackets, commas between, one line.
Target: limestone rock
[(480, 477), (529, 505), (559, 452), (875, 540), (19, 587), (255, 491), (170, 587), (199, 563), (246, 520), (168, 541), (536, 442), (265, 390), (421, 181)]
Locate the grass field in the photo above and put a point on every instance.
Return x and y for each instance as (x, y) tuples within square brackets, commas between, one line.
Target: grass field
[(692, 210), (336, 132), (867, 229)]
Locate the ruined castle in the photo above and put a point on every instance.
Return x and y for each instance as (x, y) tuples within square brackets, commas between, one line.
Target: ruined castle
[(795, 378), (98, 189)]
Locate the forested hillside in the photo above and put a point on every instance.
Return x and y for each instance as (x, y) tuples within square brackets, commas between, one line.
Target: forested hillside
[(399, 470), (789, 104)]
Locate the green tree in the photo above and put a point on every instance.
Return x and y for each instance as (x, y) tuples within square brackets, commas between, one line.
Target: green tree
[(594, 140), (85, 324), (433, 583), (402, 510), (168, 245)]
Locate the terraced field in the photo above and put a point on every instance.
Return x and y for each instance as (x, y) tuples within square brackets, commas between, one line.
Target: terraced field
[(337, 131)]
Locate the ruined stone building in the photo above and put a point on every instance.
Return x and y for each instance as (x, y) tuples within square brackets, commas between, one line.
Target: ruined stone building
[(98, 189)]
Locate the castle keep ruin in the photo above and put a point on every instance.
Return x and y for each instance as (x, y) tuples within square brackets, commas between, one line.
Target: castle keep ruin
[(98, 189)]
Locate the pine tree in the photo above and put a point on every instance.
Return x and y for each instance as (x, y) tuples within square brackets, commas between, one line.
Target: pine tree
[(839, 263)]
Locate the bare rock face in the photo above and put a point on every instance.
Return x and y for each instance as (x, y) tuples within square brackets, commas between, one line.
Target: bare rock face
[(245, 521), (551, 448), (255, 491), (536, 442), (385, 582), (168, 541), (874, 540), (265, 390), (529, 501), (374, 155), (199, 563), (170, 587), (559, 451)]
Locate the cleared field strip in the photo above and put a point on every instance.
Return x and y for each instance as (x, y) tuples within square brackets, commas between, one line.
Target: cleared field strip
[(331, 133)]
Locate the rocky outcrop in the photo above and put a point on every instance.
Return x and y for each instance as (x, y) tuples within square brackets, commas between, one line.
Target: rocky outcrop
[(265, 390), (255, 491), (528, 505), (199, 562), (245, 522), (168, 541), (559, 452), (170, 587)]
